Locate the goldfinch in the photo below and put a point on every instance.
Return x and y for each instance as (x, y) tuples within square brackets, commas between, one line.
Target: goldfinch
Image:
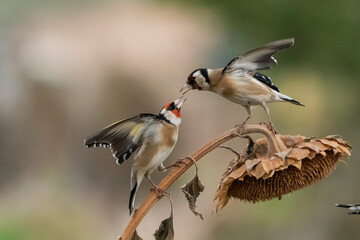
[(150, 137), (240, 82)]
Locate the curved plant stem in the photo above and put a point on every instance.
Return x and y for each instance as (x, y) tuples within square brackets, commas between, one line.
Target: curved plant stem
[(274, 143), (275, 146)]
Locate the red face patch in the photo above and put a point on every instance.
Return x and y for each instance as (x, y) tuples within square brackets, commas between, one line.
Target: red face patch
[(176, 112), (167, 106)]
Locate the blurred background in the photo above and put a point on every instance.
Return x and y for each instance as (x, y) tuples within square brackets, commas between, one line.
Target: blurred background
[(70, 68)]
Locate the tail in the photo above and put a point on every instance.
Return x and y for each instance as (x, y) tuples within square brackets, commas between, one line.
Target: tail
[(289, 99), (134, 186), (349, 206), (343, 205), (132, 199)]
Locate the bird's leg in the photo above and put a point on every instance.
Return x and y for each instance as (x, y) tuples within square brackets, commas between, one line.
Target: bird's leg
[(161, 168), (271, 125), (160, 192), (248, 117)]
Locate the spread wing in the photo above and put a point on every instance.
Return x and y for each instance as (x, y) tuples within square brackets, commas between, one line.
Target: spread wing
[(260, 58), (123, 137)]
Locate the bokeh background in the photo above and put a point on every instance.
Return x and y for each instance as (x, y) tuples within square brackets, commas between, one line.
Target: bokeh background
[(69, 68)]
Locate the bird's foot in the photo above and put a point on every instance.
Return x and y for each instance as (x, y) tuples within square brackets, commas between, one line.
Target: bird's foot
[(160, 192), (264, 124), (240, 125), (270, 126)]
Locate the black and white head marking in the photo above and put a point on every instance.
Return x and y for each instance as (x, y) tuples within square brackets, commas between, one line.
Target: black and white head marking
[(171, 112), (199, 79)]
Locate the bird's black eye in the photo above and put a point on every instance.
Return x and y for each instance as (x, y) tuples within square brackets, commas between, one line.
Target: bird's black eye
[(191, 81), (171, 107)]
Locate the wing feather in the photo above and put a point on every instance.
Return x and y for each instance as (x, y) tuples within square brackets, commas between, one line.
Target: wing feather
[(260, 58), (123, 137)]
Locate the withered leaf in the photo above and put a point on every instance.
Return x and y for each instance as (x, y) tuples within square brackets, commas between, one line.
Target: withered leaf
[(135, 236), (192, 191), (166, 229)]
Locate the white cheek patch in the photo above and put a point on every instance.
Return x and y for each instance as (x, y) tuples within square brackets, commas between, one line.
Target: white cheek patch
[(176, 121), (201, 81), (172, 118)]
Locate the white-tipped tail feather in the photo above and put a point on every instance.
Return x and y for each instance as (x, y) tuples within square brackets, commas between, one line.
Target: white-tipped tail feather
[(135, 182), (132, 198), (289, 99)]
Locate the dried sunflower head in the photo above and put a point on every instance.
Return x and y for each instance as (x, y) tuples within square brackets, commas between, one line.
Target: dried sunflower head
[(260, 176)]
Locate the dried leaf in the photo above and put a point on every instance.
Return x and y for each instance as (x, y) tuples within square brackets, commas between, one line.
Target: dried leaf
[(135, 236), (192, 191), (166, 229)]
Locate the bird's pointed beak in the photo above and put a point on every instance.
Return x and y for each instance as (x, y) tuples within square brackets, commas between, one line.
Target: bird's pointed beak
[(185, 89), (179, 102)]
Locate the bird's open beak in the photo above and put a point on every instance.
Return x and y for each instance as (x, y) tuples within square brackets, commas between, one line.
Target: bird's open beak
[(185, 88), (179, 102)]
